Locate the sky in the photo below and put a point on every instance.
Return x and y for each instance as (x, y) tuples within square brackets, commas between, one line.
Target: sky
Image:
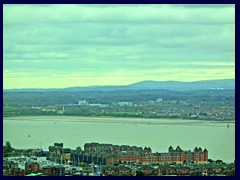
[(57, 46)]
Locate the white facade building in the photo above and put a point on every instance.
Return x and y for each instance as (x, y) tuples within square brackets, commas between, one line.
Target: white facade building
[(82, 102), (125, 103)]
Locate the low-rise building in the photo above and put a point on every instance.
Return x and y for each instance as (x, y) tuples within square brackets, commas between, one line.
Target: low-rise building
[(82, 103), (31, 166), (125, 103), (53, 170)]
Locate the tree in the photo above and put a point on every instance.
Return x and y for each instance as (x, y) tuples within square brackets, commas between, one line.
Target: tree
[(8, 145), (210, 160), (82, 164), (7, 149), (219, 161), (139, 173), (78, 149)]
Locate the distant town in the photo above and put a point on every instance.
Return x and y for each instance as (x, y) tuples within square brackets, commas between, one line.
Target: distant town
[(203, 100), (97, 159), (201, 105)]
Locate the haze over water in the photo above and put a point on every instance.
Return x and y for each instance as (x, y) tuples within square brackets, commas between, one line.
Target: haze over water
[(158, 134)]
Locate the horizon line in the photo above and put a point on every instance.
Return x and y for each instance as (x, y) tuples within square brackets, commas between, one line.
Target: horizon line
[(119, 85)]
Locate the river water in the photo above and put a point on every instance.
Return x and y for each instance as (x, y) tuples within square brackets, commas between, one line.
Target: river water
[(159, 134)]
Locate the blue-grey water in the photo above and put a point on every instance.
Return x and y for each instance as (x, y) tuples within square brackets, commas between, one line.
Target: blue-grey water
[(158, 134)]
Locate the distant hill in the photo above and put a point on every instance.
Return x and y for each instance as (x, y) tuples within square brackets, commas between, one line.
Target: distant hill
[(148, 85), (179, 86)]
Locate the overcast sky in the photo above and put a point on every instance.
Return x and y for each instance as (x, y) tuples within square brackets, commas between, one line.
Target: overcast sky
[(55, 46)]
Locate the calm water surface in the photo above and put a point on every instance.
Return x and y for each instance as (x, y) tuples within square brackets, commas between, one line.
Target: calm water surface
[(158, 134)]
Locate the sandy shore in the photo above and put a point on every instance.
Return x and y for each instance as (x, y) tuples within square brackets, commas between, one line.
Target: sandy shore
[(118, 120)]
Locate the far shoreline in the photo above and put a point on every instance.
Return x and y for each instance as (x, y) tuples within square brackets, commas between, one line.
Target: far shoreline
[(111, 117)]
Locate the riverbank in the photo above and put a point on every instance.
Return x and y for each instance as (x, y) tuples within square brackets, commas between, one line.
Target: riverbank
[(117, 120)]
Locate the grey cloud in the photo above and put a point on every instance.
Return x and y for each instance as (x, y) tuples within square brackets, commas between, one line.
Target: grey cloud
[(205, 5), (122, 33), (120, 14)]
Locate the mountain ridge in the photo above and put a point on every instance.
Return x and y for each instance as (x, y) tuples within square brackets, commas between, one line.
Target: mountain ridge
[(144, 85)]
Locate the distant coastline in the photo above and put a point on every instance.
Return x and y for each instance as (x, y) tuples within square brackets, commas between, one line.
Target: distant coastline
[(112, 119)]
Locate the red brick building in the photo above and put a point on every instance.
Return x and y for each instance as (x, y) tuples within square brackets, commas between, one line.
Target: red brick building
[(53, 170), (128, 154), (32, 167), (12, 169)]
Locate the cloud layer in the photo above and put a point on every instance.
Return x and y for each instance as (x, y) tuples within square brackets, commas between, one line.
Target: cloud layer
[(78, 45)]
